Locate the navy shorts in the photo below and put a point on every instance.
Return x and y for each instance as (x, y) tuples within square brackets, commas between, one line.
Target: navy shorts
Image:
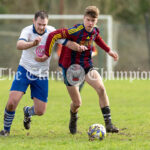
[(38, 85)]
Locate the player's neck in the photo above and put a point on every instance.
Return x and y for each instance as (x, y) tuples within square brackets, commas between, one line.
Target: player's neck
[(89, 30)]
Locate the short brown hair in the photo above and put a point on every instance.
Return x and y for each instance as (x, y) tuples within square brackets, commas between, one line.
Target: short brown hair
[(91, 11), (41, 14)]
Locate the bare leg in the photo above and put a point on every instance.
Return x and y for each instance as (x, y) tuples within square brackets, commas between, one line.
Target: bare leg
[(14, 99), (94, 79), (75, 97), (74, 106), (38, 108), (9, 114)]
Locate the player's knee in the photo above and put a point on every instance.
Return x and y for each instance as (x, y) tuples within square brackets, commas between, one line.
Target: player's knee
[(101, 90), (77, 105), (11, 105)]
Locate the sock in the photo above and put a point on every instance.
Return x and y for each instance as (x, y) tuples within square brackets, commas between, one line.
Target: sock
[(106, 114), (8, 119), (74, 115), (30, 111)]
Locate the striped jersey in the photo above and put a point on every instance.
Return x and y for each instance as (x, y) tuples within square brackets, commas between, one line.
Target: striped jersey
[(77, 34)]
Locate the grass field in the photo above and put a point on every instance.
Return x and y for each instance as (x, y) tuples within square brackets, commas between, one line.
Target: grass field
[(130, 106)]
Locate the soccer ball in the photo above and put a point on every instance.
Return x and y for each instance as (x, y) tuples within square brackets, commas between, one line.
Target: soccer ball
[(96, 131)]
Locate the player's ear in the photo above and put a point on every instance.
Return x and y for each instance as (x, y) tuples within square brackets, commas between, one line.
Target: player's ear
[(84, 18), (96, 20), (33, 20)]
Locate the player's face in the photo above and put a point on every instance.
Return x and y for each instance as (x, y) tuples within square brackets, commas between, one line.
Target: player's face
[(40, 25), (89, 23)]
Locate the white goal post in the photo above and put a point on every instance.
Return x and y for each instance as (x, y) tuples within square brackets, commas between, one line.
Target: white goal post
[(109, 19)]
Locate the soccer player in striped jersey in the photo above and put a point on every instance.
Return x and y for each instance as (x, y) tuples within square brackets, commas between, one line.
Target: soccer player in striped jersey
[(84, 34), (94, 53), (30, 72), (58, 53)]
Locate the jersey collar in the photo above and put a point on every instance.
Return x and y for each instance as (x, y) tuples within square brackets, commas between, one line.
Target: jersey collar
[(34, 31)]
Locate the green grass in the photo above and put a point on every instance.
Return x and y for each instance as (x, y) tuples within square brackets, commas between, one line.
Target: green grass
[(130, 107)]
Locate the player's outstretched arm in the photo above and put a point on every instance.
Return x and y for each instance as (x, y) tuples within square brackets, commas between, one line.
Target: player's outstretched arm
[(71, 45), (99, 41), (114, 55), (23, 45), (53, 37)]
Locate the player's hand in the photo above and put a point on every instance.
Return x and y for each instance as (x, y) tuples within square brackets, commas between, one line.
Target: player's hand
[(114, 55), (82, 48), (37, 40), (41, 59)]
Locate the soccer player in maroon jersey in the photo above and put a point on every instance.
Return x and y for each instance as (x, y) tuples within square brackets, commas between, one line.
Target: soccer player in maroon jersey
[(83, 34)]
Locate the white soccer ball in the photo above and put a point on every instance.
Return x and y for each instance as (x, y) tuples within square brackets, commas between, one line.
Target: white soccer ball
[(97, 131)]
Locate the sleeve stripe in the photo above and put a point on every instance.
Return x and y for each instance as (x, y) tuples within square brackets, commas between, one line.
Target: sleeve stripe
[(71, 31), (57, 36), (22, 39)]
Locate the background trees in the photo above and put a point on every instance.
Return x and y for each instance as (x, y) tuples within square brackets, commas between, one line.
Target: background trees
[(131, 23)]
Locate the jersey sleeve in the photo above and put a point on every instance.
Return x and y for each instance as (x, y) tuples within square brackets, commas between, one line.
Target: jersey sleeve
[(100, 42), (53, 37), (74, 30), (24, 35), (61, 41)]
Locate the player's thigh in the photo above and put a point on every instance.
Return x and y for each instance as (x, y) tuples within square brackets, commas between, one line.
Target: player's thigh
[(94, 79), (39, 93), (21, 81), (74, 94), (18, 88), (39, 89)]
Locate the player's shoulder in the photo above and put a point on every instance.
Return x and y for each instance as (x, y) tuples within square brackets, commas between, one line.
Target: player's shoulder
[(28, 28), (76, 28), (78, 25), (96, 29), (50, 28)]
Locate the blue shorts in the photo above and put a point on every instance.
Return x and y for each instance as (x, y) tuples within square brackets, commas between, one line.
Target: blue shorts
[(38, 85)]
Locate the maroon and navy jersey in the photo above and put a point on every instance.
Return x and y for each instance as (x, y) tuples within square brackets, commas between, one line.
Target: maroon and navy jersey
[(81, 36)]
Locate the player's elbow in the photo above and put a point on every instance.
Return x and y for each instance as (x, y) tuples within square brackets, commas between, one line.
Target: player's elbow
[(18, 46)]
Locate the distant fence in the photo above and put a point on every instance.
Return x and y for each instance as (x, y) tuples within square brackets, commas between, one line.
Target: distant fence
[(129, 40)]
